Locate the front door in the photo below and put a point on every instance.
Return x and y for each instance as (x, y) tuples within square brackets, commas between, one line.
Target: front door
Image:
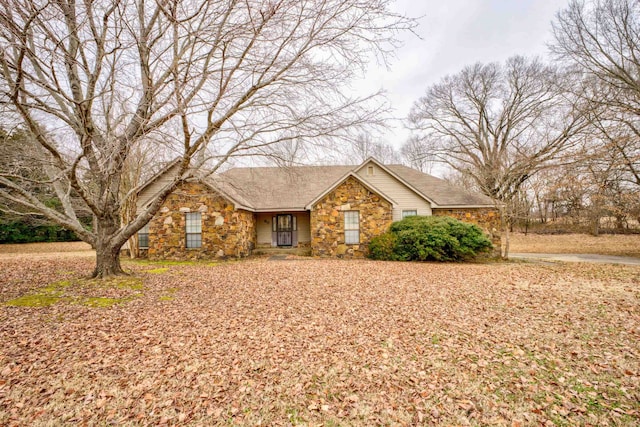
[(284, 229)]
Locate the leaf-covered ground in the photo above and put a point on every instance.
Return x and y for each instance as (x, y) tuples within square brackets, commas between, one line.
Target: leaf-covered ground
[(325, 342), (604, 244)]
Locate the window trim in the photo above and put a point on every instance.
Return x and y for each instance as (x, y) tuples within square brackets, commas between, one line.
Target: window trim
[(144, 231), (187, 223), (348, 227), (405, 213)]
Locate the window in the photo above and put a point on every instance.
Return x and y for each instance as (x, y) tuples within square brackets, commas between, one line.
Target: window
[(352, 227), (143, 237), (194, 229), (409, 213)]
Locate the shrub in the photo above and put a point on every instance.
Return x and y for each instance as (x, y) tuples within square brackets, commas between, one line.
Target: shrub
[(430, 238), (382, 247)]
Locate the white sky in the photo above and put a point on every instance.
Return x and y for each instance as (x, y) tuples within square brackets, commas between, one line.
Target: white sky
[(456, 33)]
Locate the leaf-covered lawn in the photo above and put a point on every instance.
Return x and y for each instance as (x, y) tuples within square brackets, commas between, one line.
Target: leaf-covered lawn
[(604, 244), (325, 342)]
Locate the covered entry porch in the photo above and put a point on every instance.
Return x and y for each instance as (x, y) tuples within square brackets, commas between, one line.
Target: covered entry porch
[(288, 229)]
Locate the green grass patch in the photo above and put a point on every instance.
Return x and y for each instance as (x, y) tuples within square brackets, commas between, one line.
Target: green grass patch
[(86, 292), (35, 300), (157, 270), (55, 287), (169, 263), (170, 296), (129, 283)]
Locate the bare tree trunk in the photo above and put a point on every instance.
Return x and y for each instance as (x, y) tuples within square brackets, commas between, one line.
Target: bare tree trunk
[(504, 232), (505, 245), (129, 214), (596, 225), (107, 253), (107, 262)]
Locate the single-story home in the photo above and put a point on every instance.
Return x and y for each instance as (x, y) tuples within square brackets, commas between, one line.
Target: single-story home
[(333, 211)]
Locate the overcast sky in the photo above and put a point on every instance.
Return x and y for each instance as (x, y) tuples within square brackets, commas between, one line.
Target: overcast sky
[(456, 33)]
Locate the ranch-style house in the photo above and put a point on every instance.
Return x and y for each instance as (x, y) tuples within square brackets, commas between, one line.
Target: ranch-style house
[(332, 211)]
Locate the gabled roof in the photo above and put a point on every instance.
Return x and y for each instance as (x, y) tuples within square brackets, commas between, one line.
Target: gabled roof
[(343, 179), (298, 188), (275, 188), (438, 190)]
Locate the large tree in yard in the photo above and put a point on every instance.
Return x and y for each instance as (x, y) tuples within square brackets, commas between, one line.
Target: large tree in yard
[(601, 39), (201, 80), (497, 124)]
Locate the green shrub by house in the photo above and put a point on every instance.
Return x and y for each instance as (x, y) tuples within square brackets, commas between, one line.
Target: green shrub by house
[(383, 246), (430, 238)]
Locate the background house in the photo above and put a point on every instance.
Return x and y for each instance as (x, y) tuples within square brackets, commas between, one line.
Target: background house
[(332, 210)]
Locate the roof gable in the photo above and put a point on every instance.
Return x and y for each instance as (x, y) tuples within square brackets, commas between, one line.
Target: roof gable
[(393, 175), (351, 174)]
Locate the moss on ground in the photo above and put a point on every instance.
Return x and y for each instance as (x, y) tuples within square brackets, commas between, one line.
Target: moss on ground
[(102, 301), (169, 263), (170, 295), (158, 270), (75, 292), (35, 300)]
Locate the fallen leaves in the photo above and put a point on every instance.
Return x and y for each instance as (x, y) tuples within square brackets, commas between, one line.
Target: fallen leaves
[(307, 342)]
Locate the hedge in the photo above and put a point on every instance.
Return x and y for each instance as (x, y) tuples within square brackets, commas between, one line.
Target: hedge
[(430, 238), (20, 232)]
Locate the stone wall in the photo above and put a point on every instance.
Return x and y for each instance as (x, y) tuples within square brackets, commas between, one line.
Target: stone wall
[(327, 220), (488, 219), (225, 232)]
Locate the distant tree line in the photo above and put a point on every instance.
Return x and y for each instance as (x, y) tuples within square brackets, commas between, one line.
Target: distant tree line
[(551, 143)]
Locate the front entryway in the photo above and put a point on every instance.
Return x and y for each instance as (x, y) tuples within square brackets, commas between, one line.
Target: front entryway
[(284, 230)]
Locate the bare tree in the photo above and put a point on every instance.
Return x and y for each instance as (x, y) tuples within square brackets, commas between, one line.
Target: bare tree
[(601, 38), (415, 154), (205, 79), (364, 147), (497, 124)]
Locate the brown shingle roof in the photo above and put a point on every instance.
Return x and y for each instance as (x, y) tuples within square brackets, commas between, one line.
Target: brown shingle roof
[(439, 190), (264, 188), (273, 188)]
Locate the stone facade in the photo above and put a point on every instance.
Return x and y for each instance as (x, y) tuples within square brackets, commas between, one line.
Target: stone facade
[(225, 232), (327, 220), (488, 219)]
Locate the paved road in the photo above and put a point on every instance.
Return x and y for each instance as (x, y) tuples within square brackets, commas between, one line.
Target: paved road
[(593, 258)]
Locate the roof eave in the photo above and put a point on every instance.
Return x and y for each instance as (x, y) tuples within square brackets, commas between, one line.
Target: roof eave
[(266, 210), (365, 184), (462, 206), (212, 186)]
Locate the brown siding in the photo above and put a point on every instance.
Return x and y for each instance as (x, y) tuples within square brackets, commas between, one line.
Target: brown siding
[(327, 219), (225, 232)]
